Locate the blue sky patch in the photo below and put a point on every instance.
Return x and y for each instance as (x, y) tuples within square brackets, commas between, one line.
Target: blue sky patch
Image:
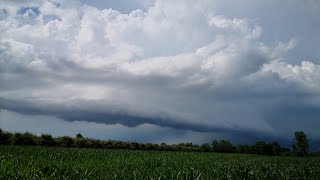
[(30, 10)]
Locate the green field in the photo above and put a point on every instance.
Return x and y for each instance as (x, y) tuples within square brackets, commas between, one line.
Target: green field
[(26, 162)]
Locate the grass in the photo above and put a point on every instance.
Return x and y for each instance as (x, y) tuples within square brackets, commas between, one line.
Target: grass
[(26, 162)]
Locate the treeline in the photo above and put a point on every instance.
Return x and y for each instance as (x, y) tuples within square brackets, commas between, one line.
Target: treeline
[(222, 146)]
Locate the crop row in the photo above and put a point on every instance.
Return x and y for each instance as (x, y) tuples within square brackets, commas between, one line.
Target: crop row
[(25, 162)]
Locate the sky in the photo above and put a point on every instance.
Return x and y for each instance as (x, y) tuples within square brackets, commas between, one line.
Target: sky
[(161, 70)]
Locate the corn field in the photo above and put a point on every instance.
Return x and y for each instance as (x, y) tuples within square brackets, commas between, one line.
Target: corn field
[(27, 162)]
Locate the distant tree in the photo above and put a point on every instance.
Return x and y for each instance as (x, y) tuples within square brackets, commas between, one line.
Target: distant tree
[(5, 137), (65, 141), (245, 149), (24, 139), (215, 145), (143, 146), (268, 150), (205, 147), (189, 144), (300, 147), (276, 148), (134, 145), (226, 146), (95, 143), (301, 143), (47, 140), (79, 136), (222, 146), (162, 146), (81, 142), (260, 147), (108, 144)]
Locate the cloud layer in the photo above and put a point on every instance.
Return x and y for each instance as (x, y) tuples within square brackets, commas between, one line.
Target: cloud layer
[(177, 64)]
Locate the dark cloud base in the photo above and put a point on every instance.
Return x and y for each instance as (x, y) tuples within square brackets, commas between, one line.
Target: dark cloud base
[(236, 136), (106, 117)]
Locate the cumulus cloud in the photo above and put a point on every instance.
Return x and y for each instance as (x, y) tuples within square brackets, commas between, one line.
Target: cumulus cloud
[(177, 64)]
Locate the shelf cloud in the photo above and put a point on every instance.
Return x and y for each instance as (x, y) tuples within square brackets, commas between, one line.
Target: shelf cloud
[(179, 64)]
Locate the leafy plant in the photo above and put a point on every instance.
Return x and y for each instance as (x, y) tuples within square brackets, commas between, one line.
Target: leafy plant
[(36, 162)]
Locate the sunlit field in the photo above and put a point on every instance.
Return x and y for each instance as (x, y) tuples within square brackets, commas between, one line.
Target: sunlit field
[(26, 162)]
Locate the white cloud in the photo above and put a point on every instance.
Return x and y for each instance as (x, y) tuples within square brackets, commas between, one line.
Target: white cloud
[(306, 75), (177, 63)]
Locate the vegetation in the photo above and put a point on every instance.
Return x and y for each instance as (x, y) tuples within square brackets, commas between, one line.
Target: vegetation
[(300, 147), (27, 156), (35, 162)]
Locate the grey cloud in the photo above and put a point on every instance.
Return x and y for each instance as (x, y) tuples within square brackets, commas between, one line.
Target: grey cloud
[(110, 116), (46, 124), (198, 69)]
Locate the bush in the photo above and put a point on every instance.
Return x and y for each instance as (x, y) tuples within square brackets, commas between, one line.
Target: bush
[(79, 136), (95, 143), (81, 142), (47, 140), (205, 147), (5, 137), (223, 146), (276, 148), (24, 139), (65, 141)]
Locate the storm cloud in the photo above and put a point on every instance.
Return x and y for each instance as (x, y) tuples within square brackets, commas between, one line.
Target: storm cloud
[(178, 64)]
